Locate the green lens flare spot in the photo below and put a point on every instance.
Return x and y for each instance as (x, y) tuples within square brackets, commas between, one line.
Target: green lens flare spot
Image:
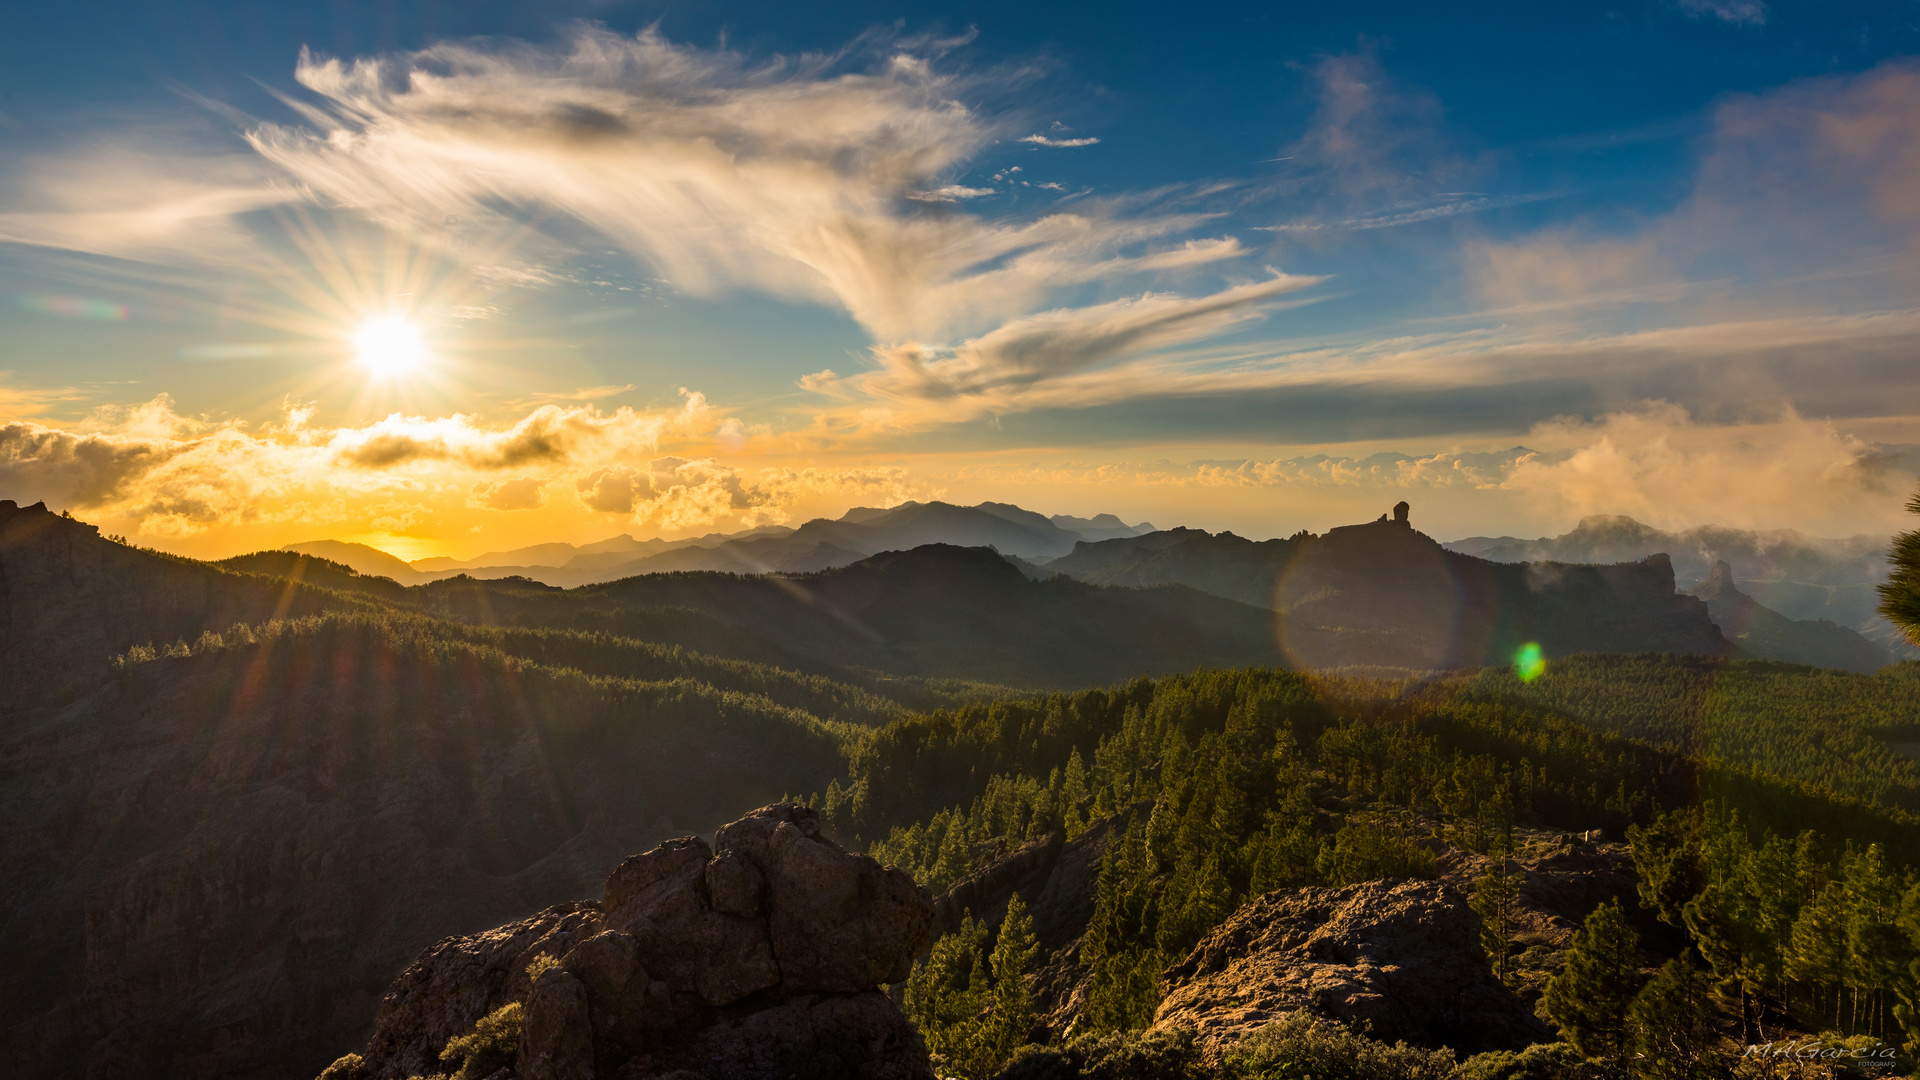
[(1528, 663)]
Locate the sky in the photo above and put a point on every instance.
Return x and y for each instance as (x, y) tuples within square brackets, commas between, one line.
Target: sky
[(448, 278)]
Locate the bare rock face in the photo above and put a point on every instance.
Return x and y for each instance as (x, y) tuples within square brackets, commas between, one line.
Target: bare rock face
[(1396, 960), (755, 963), (841, 922), (856, 1036), (457, 981), (627, 1006), (706, 957), (556, 1032)]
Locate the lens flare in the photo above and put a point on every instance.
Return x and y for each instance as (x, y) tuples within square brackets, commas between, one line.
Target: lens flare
[(389, 347), (1528, 663)]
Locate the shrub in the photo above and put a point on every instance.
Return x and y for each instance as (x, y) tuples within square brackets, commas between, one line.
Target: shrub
[(489, 1047), (1304, 1047), (1541, 1061), (1119, 1055), (345, 1067)]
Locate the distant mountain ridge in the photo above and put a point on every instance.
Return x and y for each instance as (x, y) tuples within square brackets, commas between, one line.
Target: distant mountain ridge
[(1766, 634), (1385, 594), (820, 544), (1800, 576), (1380, 594)]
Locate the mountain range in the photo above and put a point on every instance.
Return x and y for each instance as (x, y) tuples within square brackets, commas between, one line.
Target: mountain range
[(1385, 594), (820, 544), (1823, 588), (1765, 634), (1800, 576)]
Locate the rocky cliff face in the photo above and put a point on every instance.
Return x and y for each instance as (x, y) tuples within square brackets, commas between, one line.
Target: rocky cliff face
[(1400, 960), (1384, 593), (756, 959), (1766, 634)]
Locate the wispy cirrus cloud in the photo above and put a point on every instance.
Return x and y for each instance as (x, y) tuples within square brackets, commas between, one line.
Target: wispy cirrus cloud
[(1376, 154), (1047, 140), (138, 197), (1032, 361), (796, 177), (1738, 12)]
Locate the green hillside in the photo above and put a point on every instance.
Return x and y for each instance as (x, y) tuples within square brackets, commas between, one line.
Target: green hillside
[(1233, 783)]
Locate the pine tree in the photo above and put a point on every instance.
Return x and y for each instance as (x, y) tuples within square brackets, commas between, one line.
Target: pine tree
[(1672, 1020), (1496, 899), (1818, 953), (1666, 859), (1709, 919), (1774, 883), (1900, 593), (1283, 857), (1197, 899), (948, 992), (1014, 955), (1906, 1008), (1073, 792), (1878, 950), (1125, 988), (1590, 998)]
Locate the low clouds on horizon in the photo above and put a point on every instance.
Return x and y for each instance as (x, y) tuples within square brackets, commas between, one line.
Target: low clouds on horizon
[(164, 475)]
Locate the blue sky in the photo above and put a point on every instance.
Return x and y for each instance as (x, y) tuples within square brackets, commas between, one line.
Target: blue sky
[(660, 268)]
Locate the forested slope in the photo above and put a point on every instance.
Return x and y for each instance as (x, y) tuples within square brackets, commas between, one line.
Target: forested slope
[(214, 862), (1232, 784)]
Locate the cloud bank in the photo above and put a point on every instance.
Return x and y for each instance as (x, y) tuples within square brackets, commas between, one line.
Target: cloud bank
[(1653, 462), (161, 475)]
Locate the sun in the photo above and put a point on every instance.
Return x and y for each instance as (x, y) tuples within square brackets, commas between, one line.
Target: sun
[(389, 347)]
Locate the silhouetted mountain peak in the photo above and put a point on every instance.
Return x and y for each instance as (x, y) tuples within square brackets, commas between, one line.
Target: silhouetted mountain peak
[(1719, 583), (1765, 634), (860, 515), (1383, 538), (941, 563), (361, 558), (1383, 592)]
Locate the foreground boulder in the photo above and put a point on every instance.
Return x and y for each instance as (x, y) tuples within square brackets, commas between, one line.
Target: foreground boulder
[(1394, 960), (757, 961)]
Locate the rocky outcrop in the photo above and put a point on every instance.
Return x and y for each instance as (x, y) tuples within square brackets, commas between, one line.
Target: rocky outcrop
[(1766, 634), (1395, 960), (757, 958)]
